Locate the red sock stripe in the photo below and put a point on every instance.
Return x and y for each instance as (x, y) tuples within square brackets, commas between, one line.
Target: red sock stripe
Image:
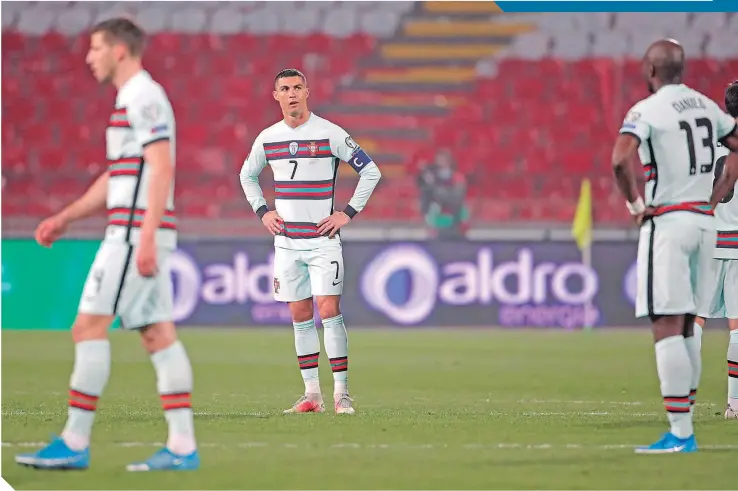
[(692, 396), (176, 401), (339, 364), (732, 369), (677, 404), (83, 401), (81, 395), (82, 405), (169, 397)]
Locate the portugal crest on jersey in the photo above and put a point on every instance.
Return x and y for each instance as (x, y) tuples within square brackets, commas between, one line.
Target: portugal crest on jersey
[(313, 149), (294, 147)]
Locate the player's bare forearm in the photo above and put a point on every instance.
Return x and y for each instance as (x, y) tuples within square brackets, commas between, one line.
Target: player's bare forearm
[(726, 181), (626, 182), (161, 173), (625, 147), (88, 204)]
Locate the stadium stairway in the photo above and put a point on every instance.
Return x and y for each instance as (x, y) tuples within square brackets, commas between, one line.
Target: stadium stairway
[(418, 75)]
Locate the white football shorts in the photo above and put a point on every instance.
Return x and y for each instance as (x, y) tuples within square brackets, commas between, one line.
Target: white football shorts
[(675, 256), (723, 297), (115, 287), (303, 274)]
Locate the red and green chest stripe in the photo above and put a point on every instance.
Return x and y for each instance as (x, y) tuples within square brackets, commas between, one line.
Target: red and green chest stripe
[(123, 218)]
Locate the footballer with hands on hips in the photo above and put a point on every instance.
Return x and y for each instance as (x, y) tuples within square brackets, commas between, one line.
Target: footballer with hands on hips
[(304, 152), (675, 131)]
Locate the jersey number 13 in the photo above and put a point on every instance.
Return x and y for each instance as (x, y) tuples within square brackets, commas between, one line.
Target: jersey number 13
[(706, 143)]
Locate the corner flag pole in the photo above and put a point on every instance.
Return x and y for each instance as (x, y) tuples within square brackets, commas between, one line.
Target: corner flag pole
[(582, 233)]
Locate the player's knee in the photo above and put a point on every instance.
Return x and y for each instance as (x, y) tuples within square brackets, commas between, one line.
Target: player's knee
[(157, 337), (88, 327), (302, 311), (665, 326), (329, 306)]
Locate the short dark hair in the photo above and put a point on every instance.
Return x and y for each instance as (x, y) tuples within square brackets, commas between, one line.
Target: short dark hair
[(125, 31), (290, 72), (731, 98)]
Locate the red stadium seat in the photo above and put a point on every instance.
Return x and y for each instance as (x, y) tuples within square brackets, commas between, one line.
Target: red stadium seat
[(524, 138)]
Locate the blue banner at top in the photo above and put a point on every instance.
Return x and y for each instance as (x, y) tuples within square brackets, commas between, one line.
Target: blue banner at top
[(621, 6)]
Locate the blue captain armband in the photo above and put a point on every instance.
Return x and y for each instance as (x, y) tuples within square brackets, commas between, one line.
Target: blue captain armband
[(359, 159)]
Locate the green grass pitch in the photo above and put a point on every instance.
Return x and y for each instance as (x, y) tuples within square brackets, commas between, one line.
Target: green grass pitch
[(436, 410)]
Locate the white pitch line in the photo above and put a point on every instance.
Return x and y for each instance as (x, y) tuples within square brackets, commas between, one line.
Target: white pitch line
[(23, 412), (392, 446), (583, 413)]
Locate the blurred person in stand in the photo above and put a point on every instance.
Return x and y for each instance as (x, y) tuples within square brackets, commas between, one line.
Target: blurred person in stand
[(442, 196)]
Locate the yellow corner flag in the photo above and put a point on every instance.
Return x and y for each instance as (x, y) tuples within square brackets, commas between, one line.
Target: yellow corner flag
[(582, 226)]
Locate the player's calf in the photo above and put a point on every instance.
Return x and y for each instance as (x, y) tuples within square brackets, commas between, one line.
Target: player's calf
[(336, 346), (674, 365), (89, 378), (174, 383), (307, 348)]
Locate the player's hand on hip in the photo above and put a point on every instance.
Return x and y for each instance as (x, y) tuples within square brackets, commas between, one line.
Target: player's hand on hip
[(50, 230), (332, 224), (146, 259), (273, 222), (642, 217)]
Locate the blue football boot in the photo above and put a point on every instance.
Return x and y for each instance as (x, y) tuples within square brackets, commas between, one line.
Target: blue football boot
[(669, 443), (56, 455), (165, 460)]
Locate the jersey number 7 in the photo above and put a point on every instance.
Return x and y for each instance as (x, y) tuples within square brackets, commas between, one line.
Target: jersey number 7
[(706, 143), (294, 169)]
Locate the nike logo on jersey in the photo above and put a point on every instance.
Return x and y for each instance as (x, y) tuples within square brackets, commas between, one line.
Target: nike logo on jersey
[(336, 283)]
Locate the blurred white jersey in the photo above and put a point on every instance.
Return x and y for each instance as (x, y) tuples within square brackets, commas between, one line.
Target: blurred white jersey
[(678, 129), (305, 162), (143, 115), (726, 214)]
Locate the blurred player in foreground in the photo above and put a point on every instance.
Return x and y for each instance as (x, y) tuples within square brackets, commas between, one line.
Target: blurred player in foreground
[(304, 151), (723, 303), (675, 132), (130, 276)]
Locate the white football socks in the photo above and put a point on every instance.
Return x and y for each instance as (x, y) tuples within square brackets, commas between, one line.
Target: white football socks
[(336, 347), (675, 373), (174, 382), (89, 377), (307, 346)]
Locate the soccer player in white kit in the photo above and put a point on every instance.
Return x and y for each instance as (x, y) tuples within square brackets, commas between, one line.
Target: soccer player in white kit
[(723, 302), (130, 276), (675, 131), (304, 152)]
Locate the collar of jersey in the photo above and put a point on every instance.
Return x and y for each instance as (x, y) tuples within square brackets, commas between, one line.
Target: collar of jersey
[(141, 73), (302, 125), (671, 87)]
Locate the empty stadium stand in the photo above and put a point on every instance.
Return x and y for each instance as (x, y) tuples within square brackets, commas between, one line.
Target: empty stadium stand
[(528, 103)]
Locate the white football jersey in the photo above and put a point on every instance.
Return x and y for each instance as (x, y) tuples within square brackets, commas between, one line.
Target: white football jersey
[(726, 214), (142, 116), (305, 162), (678, 129)]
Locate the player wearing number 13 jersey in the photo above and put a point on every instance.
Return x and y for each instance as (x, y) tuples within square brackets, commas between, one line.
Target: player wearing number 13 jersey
[(676, 131), (723, 300), (304, 152)]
